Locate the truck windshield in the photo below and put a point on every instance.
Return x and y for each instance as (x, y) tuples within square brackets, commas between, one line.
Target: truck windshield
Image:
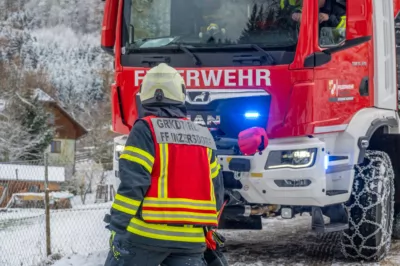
[(266, 23)]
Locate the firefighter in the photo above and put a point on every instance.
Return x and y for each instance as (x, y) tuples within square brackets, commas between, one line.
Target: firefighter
[(337, 17), (295, 8), (333, 29), (171, 188)]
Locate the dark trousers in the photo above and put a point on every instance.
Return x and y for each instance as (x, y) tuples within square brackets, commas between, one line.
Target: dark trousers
[(145, 257)]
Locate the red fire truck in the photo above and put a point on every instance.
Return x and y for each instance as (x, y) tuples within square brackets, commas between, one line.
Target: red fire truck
[(318, 102)]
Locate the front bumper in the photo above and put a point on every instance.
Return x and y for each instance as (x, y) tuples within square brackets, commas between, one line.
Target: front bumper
[(328, 181)]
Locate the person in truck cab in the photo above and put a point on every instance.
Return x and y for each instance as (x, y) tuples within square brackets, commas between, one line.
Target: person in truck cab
[(295, 8), (337, 17), (333, 30), (171, 187)]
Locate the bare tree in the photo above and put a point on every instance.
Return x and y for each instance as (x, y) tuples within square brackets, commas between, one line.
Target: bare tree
[(90, 174), (97, 117)]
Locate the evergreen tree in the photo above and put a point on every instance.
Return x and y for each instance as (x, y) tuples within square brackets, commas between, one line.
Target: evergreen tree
[(263, 20), (251, 26), (33, 123)]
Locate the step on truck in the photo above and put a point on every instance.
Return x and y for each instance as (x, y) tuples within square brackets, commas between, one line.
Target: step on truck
[(304, 114)]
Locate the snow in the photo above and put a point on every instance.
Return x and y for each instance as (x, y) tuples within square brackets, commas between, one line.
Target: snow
[(31, 172), (96, 259), (80, 239), (42, 96), (79, 230), (63, 41), (281, 242)]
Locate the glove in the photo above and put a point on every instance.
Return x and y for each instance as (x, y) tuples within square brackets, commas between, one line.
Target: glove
[(113, 249), (115, 245), (214, 240)]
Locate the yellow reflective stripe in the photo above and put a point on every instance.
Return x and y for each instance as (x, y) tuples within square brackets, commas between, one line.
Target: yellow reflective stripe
[(212, 170), (167, 228), (180, 214), (128, 200), (342, 23), (209, 152), (180, 206), (123, 209), (164, 232), (182, 217), (137, 160), (126, 205), (215, 171), (187, 219), (174, 200), (212, 192), (163, 180), (145, 154), (188, 225), (179, 203), (214, 164)]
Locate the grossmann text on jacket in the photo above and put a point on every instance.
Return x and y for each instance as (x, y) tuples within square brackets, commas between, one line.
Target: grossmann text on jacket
[(178, 131)]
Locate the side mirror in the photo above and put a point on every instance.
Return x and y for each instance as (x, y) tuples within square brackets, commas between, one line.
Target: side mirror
[(252, 140), (109, 26), (325, 56)]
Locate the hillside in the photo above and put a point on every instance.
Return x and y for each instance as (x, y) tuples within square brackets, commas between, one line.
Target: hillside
[(61, 40), (54, 45)]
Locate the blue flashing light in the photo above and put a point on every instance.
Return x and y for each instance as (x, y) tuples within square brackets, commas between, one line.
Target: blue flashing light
[(326, 161), (252, 115)]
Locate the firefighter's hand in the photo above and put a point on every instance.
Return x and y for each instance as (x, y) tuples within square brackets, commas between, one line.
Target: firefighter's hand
[(115, 245), (113, 249), (323, 17), (296, 16), (214, 240)]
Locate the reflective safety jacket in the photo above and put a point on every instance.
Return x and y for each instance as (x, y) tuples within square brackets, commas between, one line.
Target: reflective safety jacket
[(342, 23), (181, 175), (171, 186)]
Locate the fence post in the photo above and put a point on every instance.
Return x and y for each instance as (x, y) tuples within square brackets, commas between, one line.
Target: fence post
[(47, 203)]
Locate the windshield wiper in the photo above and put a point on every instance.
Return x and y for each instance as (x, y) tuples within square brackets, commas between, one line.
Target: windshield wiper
[(179, 46), (270, 60), (184, 49)]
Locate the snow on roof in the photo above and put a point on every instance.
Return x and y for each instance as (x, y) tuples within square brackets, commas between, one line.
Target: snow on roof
[(42, 96), (54, 194), (31, 173)]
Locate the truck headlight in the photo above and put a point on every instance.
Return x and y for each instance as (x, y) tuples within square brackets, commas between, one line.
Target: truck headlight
[(291, 159)]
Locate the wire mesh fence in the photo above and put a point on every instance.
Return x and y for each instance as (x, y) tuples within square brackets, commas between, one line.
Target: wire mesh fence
[(43, 211)]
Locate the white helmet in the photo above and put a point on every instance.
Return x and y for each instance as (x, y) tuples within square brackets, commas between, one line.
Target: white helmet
[(162, 85)]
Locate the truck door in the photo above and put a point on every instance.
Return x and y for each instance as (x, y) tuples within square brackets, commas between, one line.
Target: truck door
[(343, 84)]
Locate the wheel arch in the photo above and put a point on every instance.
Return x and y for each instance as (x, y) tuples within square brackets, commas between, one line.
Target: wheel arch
[(362, 127), (389, 142), (378, 128)]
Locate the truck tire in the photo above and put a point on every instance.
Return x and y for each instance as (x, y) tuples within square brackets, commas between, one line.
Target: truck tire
[(371, 209)]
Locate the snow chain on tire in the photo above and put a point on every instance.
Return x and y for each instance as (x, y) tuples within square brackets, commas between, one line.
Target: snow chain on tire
[(371, 208)]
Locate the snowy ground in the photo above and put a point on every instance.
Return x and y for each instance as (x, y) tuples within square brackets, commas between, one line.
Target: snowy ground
[(81, 231), (282, 242), (78, 230)]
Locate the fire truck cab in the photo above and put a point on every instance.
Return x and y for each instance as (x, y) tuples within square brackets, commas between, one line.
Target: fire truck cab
[(311, 85)]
